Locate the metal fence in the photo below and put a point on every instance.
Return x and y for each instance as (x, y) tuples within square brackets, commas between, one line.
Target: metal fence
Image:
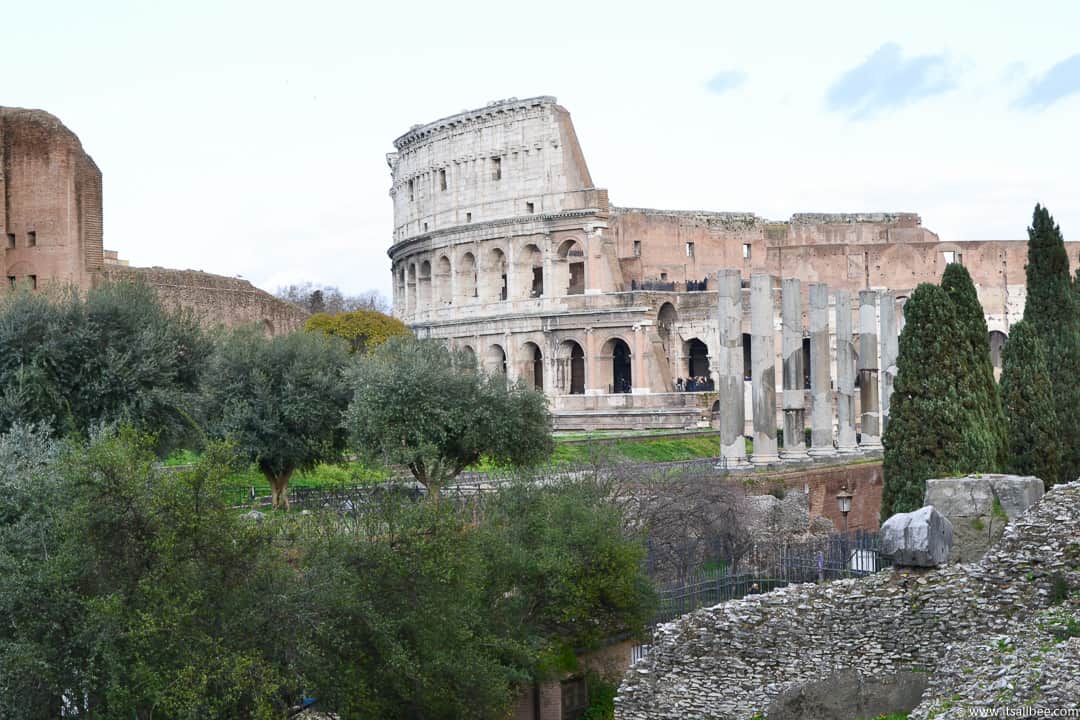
[(767, 566)]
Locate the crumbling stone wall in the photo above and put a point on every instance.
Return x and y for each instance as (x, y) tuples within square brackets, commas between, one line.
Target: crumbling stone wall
[(216, 299), (735, 659)]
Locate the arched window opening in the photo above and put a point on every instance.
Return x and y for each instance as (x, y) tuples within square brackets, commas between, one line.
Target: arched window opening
[(495, 276), (572, 254), (533, 365), (423, 287), (443, 285), (468, 358), (413, 298), (529, 273), (572, 368), (621, 377), (997, 342), (697, 366), (495, 360), (467, 277)]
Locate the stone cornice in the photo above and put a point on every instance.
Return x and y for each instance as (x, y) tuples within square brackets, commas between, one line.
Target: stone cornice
[(421, 132)]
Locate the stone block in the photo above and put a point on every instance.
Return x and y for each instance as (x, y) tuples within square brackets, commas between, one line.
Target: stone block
[(969, 504), (922, 538)]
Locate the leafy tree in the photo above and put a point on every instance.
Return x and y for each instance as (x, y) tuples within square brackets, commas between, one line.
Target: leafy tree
[(1029, 407), (1051, 310), (418, 404), (986, 408), (114, 355), (329, 299), (364, 330), (932, 431), (280, 400)]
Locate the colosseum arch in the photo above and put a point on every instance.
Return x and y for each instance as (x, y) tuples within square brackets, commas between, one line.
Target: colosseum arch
[(997, 342), (466, 278), (468, 356), (423, 284), (569, 268), (399, 296), (615, 353), (411, 287), (571, 368), (495, 359), (532, 365), (493, 276), (529, 272), (443, 284), (696, 353)]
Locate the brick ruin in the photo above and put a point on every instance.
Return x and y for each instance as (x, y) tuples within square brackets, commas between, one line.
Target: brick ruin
[(503, 245), (51, 218)]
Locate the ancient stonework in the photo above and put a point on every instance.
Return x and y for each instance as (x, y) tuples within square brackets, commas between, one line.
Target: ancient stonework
[(50, 213), (503, 245), (987, 634)]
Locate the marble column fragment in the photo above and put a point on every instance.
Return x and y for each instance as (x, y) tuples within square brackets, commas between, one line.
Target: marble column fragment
[(794, 378), (845, 376), (890, 350), (729, 369), (868, 370), (821, 418), (763, 364)]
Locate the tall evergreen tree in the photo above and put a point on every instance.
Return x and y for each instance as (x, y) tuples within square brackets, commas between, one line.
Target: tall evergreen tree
[(932, 431), (956, 281), (1051, 310), (1030, 417)]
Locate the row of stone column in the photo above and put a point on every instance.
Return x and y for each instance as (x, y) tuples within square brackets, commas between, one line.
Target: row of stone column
[(874, 402)]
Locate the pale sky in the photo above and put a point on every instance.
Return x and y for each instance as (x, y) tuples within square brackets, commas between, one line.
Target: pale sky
[(249, 138)]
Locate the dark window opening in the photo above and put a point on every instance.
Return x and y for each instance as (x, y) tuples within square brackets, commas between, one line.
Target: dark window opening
[(530, 208), (746, 251), (620, 368), (663, 276), (468, 217), (577, 370), (31, 239), (33, 281), (689, 249), (537, 282), (747, 367), (537, 368), (425, 227), (575, 697), (11, 240), (12, 281), (637, 248), (577, 279), (496, 168), (412, 194), (806, 362), (699, 363), (502, 290), (442, 179)]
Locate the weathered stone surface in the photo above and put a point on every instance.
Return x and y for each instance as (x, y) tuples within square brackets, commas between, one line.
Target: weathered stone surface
[(847, 694), (985, 634), (922, 538), (979, 507)]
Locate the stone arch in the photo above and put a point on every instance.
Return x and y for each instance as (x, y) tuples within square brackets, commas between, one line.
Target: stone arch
[(493, 277), (529, 272), (411, 287), (570, 267), (466, 277), (571, 368), (697, 362), (423, 284), (997, 341), (617, 351), (714, 415), (495, 359), (443, 284), (468, 355), (532, 365), (400, 299)]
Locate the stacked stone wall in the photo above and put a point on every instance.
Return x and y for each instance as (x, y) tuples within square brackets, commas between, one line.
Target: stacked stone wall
[(735, 659)]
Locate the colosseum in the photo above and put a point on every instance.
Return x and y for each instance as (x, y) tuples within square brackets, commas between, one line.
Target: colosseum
[(503, 245)]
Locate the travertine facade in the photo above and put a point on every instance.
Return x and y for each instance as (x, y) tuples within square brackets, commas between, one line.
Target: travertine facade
[(50, 213), (503, 245)]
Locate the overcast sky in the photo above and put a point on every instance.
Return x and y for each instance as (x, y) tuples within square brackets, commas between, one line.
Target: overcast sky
[(249, 138)]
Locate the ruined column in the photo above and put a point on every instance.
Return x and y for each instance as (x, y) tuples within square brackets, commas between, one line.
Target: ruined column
[(868, 370), (890, 350), (821, 419), (845, 376), (729, 368), (794, 380), (763, 362)]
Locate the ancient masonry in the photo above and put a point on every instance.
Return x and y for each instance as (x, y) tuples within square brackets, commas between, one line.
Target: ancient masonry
[(503, 245), (50, 213), (1001, 632)]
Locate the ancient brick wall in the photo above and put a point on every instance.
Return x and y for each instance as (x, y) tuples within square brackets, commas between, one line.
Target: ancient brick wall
[(986, 634), (215, 299)]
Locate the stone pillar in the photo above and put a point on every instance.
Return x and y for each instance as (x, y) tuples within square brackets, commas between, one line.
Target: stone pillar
[(890, 350), (763, 364), (868, 370), (639, 370), (794, 381), (592, 364), (845, 376), (821, 420), (729, 368)]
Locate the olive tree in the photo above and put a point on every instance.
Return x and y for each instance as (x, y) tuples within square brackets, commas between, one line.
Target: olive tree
[(279, 400), (418, 404)]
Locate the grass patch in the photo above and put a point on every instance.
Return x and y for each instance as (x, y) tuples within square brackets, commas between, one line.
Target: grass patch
[(638, 450)]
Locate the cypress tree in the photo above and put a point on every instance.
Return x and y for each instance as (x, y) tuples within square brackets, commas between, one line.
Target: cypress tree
[(1031, 420), (1051, 310), (931, 433), (986, 407)]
